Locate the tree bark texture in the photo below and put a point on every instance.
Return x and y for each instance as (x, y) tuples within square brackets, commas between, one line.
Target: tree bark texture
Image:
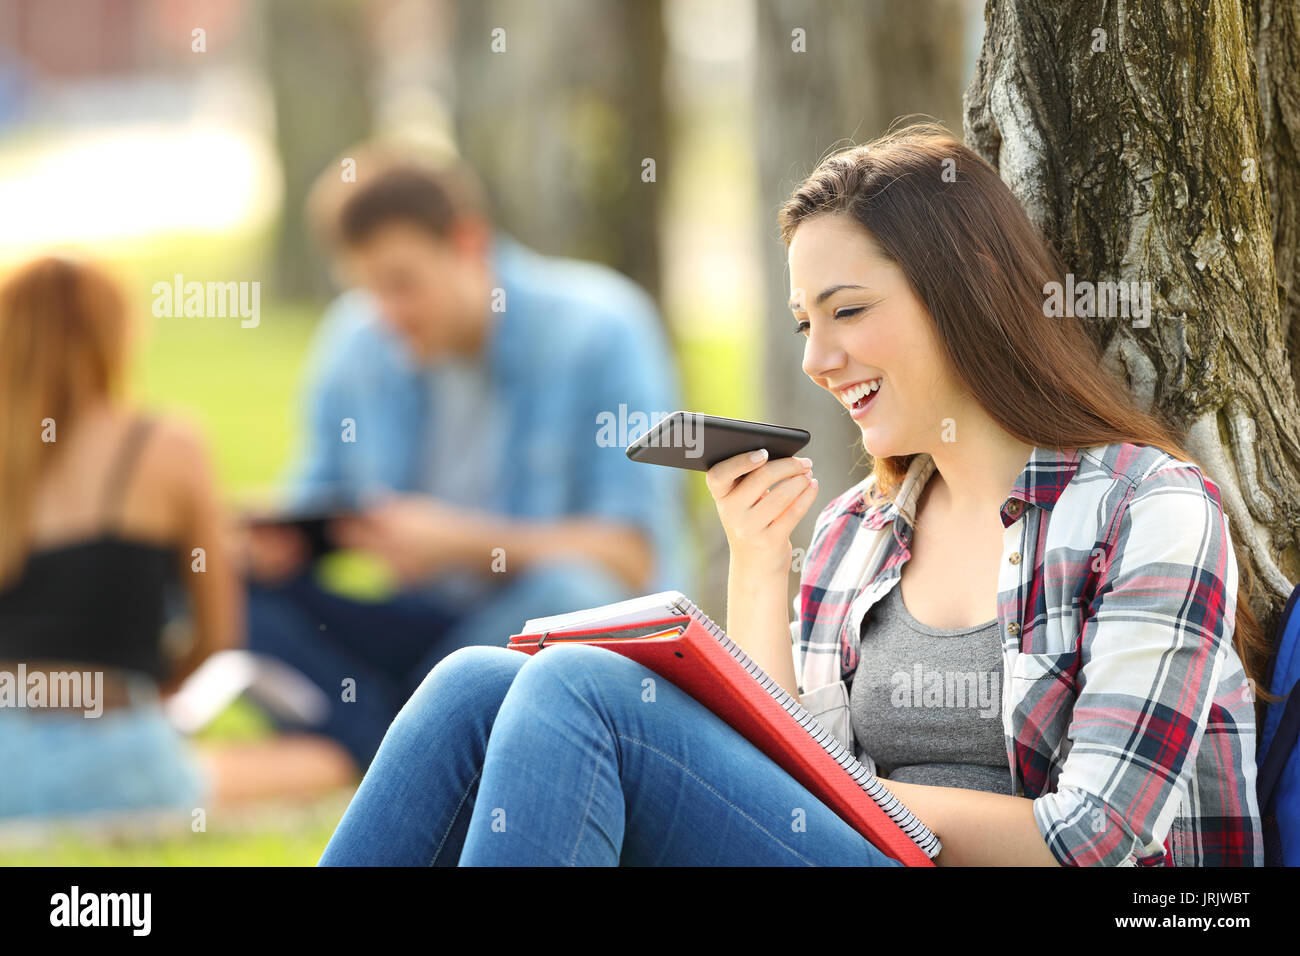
[(1137, 137)]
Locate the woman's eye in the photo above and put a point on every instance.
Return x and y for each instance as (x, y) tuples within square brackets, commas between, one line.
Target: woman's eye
[(801, 327)]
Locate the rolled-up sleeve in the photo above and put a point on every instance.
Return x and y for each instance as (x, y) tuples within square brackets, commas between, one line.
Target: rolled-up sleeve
[(1149, 661)]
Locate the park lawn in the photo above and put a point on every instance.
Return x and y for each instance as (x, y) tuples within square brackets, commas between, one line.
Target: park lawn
[(276, 835), (240, 386)]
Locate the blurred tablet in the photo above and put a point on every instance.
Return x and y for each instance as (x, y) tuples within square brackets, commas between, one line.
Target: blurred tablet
[(314, 526)]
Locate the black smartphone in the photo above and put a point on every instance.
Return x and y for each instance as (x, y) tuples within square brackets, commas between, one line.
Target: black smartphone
[(698, 442)]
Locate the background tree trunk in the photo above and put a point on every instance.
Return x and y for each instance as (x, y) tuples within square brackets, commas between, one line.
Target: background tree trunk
[(318, 60), (559, 123), (1274, 27), (1133, 135), (866, 64)]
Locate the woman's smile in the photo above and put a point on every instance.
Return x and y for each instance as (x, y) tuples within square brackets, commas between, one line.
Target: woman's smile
[(860, 396), (861, 408)]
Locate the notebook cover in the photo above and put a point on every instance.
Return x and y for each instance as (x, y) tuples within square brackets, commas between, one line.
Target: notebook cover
[(699, 665)]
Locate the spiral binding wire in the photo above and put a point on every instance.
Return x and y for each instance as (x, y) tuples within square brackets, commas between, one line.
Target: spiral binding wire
[(907, 821)]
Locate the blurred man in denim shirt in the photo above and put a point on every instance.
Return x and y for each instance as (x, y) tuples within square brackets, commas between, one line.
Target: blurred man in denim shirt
[(456, 397)]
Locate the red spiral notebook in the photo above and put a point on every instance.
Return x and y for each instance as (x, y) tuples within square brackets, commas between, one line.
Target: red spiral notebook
[(670, 635)]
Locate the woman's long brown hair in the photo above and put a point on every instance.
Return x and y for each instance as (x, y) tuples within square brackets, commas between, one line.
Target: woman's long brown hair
[(980, 267), (62, 340)]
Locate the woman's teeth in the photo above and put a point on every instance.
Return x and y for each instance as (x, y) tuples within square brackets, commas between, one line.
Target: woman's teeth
[(855, 395)]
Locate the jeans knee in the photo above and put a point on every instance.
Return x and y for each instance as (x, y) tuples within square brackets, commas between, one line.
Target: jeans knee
[(455, 704), (475, 667), (581, 671), (467, 679)]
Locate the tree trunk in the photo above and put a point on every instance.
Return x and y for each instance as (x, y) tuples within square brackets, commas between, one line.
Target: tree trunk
[(1274, 27), (557, 111), (866, 64), (1133, 135), (318, 60)]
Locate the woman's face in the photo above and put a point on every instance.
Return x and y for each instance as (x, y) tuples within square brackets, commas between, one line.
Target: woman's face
[(863, 323)]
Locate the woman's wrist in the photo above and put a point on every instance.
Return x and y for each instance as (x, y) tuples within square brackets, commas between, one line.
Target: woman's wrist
[(754, 577)]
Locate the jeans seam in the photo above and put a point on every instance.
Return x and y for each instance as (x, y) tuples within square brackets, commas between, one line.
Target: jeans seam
[(455, 816), (704, 783), (586, 814), (595, 770)]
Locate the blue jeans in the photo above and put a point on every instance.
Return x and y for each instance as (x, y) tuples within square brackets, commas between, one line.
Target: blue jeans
[(577, 756), (64, 764), (388, 647)]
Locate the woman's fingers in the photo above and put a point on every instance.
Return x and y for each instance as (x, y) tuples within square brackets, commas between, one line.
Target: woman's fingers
[(774, 501), (759, 482), (784, 523), (759, 502), (722, 477), (742, 479)]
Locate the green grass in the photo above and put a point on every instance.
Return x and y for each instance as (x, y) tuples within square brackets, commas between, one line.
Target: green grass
[(240, 385), (284, 844), (278, 835), (241, 721)]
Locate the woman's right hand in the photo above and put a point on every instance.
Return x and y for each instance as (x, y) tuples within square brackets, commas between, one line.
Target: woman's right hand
[(759, 503)]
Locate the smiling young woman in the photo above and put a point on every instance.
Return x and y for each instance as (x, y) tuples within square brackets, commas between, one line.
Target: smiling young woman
[(1058, 680), (1024, 522)]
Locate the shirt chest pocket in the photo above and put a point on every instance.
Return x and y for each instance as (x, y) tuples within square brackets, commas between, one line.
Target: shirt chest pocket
[(1038, 667), (1042, 693)]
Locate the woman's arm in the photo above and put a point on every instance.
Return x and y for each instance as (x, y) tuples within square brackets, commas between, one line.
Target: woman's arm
[(759, 503), (758, 621), (977, 828), (206, 567), (1149, 660)]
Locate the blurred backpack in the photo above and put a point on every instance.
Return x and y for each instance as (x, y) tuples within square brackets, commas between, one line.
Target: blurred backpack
[(1278, 760)]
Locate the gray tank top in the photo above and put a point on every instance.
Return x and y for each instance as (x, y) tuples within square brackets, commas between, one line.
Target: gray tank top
[(926, 702)]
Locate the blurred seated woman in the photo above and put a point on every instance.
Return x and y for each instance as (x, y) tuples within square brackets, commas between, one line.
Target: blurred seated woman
[(100, 508)]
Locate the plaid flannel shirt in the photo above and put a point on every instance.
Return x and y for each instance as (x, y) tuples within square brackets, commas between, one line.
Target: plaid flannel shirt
[(1127, 715)]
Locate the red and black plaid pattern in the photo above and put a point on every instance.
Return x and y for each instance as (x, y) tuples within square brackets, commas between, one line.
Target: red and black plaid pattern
[(1127, 715)]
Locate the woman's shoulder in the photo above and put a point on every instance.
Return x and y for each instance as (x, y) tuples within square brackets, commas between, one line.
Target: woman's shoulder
[(1142, 468), (173, 461), (172, 438), (1146, 495)]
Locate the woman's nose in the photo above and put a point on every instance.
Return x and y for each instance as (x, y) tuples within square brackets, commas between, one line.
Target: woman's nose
[(822, 355)]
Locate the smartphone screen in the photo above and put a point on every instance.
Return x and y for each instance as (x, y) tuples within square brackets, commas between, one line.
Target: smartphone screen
[(697, 441)]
